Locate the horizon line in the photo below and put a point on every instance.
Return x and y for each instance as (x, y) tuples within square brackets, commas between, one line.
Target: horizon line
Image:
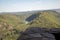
[(30, 10)]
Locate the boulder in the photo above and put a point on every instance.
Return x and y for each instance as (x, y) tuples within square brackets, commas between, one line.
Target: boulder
[(36, 33)]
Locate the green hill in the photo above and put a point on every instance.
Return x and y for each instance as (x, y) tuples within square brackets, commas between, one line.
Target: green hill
[(49, 19), (12, 24)]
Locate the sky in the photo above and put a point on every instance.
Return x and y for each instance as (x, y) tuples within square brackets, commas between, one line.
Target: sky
[(28, 5)]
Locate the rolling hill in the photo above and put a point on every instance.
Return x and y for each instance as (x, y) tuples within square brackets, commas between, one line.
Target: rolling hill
[(12, 23), (49, 19)]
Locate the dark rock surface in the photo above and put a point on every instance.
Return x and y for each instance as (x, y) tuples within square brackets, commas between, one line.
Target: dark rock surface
[(36, 33), (0, 37)]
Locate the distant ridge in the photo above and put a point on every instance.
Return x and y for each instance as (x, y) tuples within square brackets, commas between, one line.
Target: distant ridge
[(57, 10)]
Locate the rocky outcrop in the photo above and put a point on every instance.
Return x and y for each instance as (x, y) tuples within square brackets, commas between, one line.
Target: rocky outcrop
[(36, 33)]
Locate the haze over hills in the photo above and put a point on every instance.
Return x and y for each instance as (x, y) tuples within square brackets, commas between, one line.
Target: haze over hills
[(57, 10), (32, 11), (12, 23)]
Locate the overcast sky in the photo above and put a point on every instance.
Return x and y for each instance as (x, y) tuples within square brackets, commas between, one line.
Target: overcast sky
[(28, 5)]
